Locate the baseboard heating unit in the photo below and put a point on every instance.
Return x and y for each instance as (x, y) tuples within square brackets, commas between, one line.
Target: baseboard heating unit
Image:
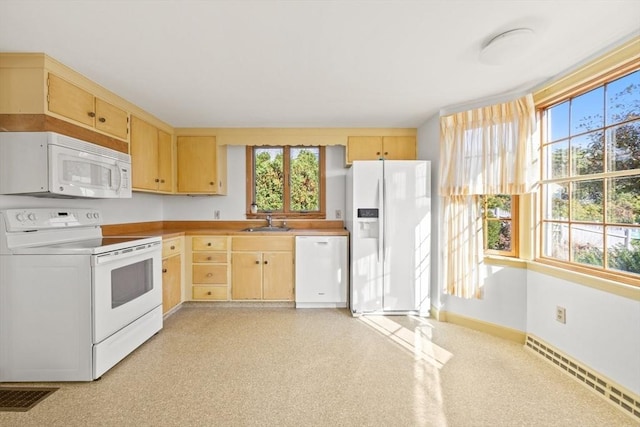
[(625, 400)]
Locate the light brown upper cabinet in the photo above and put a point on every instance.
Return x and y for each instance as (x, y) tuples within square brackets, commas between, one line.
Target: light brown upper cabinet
[(381, 147), (151, 157), (202, 165), (76, 104)]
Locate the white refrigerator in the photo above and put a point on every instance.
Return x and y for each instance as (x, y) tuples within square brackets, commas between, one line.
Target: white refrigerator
[(388, 215)]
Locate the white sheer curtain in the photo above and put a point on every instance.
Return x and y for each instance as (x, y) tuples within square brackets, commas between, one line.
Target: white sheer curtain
[(489, 150)]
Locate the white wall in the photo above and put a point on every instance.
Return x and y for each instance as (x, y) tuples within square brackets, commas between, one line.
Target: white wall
[(141, 207), (602, 330), (232, 206)]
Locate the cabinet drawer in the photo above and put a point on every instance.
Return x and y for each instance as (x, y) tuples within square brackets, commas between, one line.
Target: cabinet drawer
[(275, 243), (171, 247), (210, 243), (210, 257), (213, 274), (210, 292)]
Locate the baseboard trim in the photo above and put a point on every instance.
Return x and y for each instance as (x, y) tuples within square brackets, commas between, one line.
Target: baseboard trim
[(480, 325), (620, 397)]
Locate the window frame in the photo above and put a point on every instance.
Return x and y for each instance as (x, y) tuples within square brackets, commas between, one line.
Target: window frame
[(286, 162), (515, 228), (574, 91)]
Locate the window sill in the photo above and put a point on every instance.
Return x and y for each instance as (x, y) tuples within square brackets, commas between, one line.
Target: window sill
[(505, 261), (584, 279), (579, 278)]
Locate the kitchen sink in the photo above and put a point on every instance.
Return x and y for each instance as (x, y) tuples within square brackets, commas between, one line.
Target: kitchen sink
[(256, 229)]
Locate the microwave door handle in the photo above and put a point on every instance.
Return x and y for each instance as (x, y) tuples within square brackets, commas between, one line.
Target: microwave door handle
[(120, 175)]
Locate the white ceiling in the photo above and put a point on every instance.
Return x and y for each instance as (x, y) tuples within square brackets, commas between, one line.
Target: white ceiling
[(310, 63)]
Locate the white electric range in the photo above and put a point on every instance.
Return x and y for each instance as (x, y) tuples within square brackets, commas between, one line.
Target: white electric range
[(72, 302)]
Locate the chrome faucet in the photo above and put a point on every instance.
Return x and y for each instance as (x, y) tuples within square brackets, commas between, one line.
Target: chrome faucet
[(269, 220)]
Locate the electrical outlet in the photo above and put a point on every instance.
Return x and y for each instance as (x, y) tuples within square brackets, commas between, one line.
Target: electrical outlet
[(338, 214), (561, 314), (216, 214)]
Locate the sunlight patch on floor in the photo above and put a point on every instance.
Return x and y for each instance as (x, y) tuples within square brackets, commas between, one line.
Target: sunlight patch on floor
[(415, 341)]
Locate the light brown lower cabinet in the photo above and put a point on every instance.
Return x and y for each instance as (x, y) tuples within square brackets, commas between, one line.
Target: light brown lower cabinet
[(171, 273), (262, 268), (210, 268), (171, 289)]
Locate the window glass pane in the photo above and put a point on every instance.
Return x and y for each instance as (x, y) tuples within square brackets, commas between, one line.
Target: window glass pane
[(498, 206), (556, 201), (587, 154), (556, 240), (586, 244), (623, 147), (558, 122), (623, 247), (623, 98), (586, 200), (269, 179), (499, 235), (557, 157), (587, 111), (305, 179), (623, 200)]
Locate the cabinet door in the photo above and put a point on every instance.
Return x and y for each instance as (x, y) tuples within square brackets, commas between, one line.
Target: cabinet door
[(364, 148), (171, 289), (246, 275), (165, 162), (399, 147), (70, 101), (277, 276), (197, 164), (111, 119), (144, 155)]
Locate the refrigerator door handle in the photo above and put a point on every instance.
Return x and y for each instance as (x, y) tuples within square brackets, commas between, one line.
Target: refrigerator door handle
[(380, 221)]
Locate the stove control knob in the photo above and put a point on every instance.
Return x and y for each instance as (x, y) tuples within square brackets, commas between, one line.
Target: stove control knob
[(20, 217), (96, 215), (88, 215), (32, 216)]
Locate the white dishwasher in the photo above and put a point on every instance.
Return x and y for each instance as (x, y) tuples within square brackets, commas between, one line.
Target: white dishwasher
[(321, 271)]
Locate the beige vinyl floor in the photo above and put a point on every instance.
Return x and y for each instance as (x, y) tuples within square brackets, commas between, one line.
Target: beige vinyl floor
[(213, 366)]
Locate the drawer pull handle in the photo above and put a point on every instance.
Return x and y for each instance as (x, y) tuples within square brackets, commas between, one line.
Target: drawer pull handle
[(209, 293), (209, 244), (156, 180), (162, 181), (91, 114), (173, 247), (209, 258), (102, 120), (386, 153), (211, 183), (266, 262), (209, 274), (257, 262), (164, 270)]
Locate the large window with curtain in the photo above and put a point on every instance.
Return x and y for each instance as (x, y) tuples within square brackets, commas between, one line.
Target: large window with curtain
[(590, 195), (286, 181), (487, 157)]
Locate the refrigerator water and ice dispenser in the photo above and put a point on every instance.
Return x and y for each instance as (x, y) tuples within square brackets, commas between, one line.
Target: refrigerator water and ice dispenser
[(368, 223)]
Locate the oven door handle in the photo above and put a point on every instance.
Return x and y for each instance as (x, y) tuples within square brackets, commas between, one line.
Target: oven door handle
[(125, 253)]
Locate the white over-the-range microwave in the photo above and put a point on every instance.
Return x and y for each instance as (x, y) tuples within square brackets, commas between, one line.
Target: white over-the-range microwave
[(49, 164)]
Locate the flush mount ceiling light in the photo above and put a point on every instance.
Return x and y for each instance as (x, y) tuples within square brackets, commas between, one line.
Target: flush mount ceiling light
[(506, 46)]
